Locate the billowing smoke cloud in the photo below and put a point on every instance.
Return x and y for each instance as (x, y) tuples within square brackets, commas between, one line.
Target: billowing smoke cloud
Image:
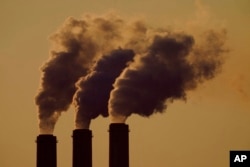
[(86, 61), (172, 65), (70, 60), (91, 98), (77, 45)]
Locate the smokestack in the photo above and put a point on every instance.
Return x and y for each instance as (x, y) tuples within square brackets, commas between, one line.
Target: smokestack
[(82, 148), (46, 151), (118, 145)]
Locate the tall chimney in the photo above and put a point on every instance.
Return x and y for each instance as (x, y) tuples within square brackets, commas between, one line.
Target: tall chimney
[(118, 145), (46, 151), (82, 148)]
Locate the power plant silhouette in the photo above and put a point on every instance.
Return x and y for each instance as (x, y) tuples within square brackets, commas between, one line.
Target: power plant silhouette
[(113, 67), (82, 147)]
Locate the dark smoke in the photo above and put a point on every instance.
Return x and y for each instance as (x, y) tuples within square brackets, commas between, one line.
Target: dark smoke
[(165, 67), (91, 98), (67, 63), (172, 65), (58, 88), (77, 45)]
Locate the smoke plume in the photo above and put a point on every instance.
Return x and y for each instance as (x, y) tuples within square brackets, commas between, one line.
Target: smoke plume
[(69, 60), (91, 98), (77, 45), (172, 65), (109, 65)]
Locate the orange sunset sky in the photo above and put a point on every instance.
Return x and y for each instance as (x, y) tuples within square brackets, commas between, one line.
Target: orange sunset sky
[(197, 133)]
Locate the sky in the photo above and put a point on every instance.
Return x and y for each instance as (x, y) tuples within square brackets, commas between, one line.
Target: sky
[(200, 131)]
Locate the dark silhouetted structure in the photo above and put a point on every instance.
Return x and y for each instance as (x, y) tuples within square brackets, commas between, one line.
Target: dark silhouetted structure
[(82, 148), (46, 151), (118, 145)]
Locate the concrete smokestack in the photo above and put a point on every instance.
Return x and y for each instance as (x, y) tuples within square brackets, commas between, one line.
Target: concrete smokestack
[(118, 145), (46, 151), (82, 148)]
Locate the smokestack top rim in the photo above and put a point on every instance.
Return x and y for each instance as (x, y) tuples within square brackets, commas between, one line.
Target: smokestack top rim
[(82, 130), (46, 135), (118, 127), (118, 124), (46, 138), (81, 133)]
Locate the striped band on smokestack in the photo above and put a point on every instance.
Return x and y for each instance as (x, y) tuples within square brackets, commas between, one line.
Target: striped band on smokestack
[(118, 145), (46, 151), (82, 148)]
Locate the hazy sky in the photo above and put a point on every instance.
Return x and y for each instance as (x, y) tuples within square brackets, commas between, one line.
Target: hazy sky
[(199, 132)]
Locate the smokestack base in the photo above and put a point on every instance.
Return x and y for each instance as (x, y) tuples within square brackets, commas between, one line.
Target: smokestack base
[(82, 148), (118, 145), (46, 150)]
